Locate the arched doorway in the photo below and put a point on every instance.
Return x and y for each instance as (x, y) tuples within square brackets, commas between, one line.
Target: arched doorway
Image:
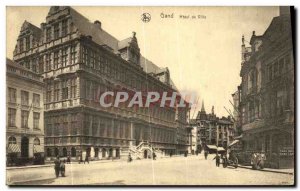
[(103, 153), (145, 154), (25, 147), (73, 152), (96, 152), (110, 152), (56, 152), (118, 153), (65, 152)]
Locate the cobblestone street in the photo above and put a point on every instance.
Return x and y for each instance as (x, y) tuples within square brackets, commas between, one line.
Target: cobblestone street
[(192, 170)]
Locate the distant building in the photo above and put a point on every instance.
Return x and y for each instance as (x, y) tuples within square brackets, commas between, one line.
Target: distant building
[(267, 92), (212, 130), (25, 114)]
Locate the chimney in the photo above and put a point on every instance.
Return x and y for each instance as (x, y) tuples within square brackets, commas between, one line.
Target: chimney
[(253, 33), (284, 10), (98, 24)]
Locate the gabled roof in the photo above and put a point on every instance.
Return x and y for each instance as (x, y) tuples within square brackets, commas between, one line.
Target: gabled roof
[(37, 32)]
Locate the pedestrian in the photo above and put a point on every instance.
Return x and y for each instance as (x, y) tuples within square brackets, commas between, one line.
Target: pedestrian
[(129, 158), (86, 160), (154, 156), (217, 157), (80, 159), (170, 154), (68, 159), (62, 168), (205, 154), (57, 166)]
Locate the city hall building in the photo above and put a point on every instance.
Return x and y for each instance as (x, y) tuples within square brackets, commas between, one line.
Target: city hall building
[(79, 59)]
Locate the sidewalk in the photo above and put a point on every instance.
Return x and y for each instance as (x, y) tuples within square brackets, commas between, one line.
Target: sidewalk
[(282, 171), (94, 161)]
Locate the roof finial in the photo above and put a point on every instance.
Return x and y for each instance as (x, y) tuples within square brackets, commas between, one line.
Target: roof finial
[(202, 107), (243, 40), (213, 110)]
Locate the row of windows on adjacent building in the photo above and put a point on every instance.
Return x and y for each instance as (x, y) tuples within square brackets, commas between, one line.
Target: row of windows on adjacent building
[(13, 94), (274, 106), (66, 125), (12, 114), (279, 67), (13, 140)]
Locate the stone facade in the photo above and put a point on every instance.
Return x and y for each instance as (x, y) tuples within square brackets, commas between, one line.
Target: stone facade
[(267, 92), (79, 60), (25, 114)]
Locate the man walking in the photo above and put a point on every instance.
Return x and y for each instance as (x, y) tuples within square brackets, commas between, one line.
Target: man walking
[(57, 166), (205, 154), (217, 157)]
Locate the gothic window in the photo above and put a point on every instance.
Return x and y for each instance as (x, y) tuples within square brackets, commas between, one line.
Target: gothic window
[(48, 62), (64, 57), (27, 39), (21, 44), (41, 64), (65, 89), (56, 91), (48, 34), (64, 29), (73, 88), (56, 31), (73, 54), (56, 59)]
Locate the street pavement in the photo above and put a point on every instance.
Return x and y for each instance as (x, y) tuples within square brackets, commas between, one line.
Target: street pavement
[(191, 170)]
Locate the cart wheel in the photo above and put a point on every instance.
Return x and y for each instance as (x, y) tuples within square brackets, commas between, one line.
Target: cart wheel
[(254, 166)]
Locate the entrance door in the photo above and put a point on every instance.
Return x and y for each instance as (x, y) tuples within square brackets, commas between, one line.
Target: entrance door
[(145, 154), (25, 147)]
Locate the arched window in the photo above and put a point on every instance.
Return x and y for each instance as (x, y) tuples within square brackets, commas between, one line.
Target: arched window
[(36, 141), (12, 140), (65, 152)]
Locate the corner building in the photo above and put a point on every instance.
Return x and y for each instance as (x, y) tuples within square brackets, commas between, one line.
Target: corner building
[(25, 115), (78, 59), (267, 93)]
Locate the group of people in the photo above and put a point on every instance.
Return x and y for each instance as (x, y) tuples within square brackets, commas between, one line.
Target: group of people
[(85, 160), (59, 167)]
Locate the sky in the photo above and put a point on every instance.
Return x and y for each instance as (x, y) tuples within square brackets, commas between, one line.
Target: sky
[(203, 54)]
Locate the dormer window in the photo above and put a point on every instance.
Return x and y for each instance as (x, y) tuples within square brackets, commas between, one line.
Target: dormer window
[(21, 42), (27, 39)]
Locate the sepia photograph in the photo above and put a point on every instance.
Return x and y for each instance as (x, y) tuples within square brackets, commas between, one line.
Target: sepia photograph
[(150, 96)]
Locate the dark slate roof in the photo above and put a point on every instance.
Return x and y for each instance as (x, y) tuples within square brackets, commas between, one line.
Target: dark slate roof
[(97, 33)]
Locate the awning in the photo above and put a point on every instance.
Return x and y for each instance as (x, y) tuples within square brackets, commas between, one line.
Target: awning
[(220, 149), (233, 143), (13, 148), (38, 149), (212, 147)]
